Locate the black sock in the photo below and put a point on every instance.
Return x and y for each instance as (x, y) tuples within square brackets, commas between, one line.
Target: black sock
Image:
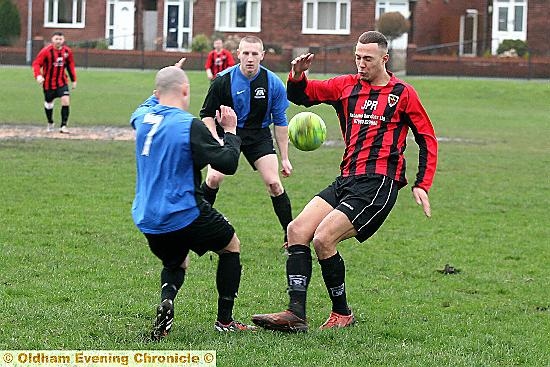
[(298, 272), (171, 281), (49, 115), (334, 274), (283, 210), (64, 115), (209, 193), (228, 277)]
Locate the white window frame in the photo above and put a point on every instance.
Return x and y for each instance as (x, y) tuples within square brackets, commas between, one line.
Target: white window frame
[(55, 23), (338, 29), (108, 26), (229, 24)]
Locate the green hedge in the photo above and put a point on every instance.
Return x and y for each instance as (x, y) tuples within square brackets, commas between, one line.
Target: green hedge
[(10, 23)]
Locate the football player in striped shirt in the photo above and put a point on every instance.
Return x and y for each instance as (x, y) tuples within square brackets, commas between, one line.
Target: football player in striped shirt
[(375, 110), (51, 66)]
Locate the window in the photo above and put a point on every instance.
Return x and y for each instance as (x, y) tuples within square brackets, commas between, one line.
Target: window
[(238, 15), (383, 6), (326, 17), (518, 18), (64, 13), (502, 19)]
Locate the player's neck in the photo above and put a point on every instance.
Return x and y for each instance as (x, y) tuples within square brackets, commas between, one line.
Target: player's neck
[(382, 80), (171, 101), (249, 75)]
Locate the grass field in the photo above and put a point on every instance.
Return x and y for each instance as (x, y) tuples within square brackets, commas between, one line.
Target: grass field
[(76, 274)]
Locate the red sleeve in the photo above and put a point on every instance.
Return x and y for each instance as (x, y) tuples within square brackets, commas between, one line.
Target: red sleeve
[(310, 92), (424, 136), (71, 65), (208, 63), (39, 62), (230, 59)]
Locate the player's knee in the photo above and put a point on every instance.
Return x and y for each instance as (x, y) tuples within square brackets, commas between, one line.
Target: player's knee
[(233, 246), (323, 245), (48, 105), (297, 232), (185, 264), (214, 180), (275, 188), (293, 229)]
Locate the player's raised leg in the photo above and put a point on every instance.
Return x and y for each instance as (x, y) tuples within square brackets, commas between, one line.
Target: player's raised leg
[(49, 97), (298, 269), (333, 229), (48, 110)]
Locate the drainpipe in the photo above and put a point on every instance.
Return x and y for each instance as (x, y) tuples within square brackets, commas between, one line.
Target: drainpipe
[(29, 33)]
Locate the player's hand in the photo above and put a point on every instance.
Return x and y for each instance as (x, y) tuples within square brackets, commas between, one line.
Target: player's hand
[(74, 85), (286, 169), (301, 64), (179, 64), (421, 198), (40, 79), (227, 118)]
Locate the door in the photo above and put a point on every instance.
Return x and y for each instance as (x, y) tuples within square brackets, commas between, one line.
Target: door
[(178, 24), (509, 21), (120, 24), (468, 33)]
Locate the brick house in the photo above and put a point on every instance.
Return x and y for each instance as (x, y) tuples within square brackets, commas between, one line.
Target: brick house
[(456, 28), (477, 27), (171, 24)]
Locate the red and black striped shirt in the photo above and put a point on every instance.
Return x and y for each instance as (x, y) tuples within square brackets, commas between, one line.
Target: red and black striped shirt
[(219, 61), (374, 121), (52, 64)]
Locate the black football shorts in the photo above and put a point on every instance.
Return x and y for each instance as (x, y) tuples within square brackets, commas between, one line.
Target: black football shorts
[(255, 143), (51, 94), (366, 200), (211, 231)]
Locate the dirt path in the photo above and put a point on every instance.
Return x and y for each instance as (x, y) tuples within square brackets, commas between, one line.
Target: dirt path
[(78, 133)]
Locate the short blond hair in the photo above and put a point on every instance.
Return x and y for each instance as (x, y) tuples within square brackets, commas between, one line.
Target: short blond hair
[(251, 39)]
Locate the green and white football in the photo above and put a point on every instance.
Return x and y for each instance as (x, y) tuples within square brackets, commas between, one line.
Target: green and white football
[(307, 131)]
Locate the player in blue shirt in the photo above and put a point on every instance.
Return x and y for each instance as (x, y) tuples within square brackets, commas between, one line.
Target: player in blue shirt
[(258, 97), (172, 146)]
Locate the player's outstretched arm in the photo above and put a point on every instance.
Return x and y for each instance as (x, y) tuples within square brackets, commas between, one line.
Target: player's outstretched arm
[(301, 64), (180, 62)]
